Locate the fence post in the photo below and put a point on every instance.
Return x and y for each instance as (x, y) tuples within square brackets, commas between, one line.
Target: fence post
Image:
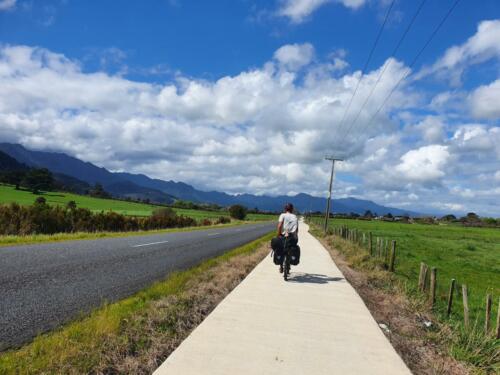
[(488, 314), (450, 297), (420, 275), (422, 281), (433, 285), (393, 256), (466, 305), (370, 242), (498, 321), (364, 238)]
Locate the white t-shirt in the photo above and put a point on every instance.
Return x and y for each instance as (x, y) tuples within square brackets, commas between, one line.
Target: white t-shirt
[(290, 223)]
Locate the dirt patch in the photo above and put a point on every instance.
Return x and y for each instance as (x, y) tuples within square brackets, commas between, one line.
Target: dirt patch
[(150, 337), (418, 346)]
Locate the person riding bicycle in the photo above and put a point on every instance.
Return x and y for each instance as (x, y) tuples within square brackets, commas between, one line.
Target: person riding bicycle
[(288, 227)]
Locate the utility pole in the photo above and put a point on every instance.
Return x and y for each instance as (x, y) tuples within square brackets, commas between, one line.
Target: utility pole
[(327, 213)]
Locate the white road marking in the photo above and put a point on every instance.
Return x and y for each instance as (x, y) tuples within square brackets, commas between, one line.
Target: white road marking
[(149, 244), (213, 234)]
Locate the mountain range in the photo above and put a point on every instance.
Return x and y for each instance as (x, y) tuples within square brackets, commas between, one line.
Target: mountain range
[(139, 186)]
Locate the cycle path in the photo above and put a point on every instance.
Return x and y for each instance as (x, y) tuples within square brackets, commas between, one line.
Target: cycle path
[(315, 323)]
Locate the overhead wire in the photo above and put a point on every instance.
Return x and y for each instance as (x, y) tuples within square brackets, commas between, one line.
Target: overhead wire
[(365, 67), (408, 70), (382, 72)]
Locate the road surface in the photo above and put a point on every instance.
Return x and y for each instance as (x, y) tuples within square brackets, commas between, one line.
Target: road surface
[(313, 324), (45, 285)]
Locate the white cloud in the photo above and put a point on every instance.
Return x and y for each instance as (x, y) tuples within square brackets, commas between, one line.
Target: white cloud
[(424, 164), (485, 101), (198, 131), (264, 130), (479, 48), (298, 10), (7, 4), (295, 56)]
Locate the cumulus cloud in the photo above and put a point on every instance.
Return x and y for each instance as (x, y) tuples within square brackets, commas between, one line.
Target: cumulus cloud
[(295, 56), (264, 130), (298, 10), (424, 164), (484, 101), (203, 132), (479, 48), (7, 4)]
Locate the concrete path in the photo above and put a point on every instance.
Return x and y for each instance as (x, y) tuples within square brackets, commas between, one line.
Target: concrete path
[(313, 324)]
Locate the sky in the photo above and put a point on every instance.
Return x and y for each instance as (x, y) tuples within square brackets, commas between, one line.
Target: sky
[(249, 96)]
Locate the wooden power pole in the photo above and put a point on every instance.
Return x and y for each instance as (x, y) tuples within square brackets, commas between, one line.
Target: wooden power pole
[(327, 212)]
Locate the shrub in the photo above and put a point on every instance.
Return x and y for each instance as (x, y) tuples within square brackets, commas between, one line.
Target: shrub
[(40, 200), (223, 220), (205, 222), (238, 212), (41, 218)]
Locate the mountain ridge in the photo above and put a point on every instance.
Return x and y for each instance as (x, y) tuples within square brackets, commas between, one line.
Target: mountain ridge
[(123, 184)]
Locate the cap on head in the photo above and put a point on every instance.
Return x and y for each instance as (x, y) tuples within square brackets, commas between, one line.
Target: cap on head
[(288, 207)]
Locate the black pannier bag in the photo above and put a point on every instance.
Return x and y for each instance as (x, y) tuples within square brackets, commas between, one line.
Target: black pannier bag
[(278, 252), (294, 255)]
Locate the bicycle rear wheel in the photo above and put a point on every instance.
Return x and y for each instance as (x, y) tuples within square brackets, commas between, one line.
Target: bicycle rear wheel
[(286, 268)]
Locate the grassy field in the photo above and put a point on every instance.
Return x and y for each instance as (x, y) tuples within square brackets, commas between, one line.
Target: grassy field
[(469, 255), (8, 194)]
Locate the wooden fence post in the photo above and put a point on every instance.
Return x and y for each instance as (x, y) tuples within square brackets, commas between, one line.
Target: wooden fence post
[(433, 285), (488, 314), (393, 256), (498, 321), (420, 275), (422, 281), (370, 242), (450, 297), (466, 305), (364, 238)]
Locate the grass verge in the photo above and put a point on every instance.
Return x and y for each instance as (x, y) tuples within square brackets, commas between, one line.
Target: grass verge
[(58, 237), (441, 348), (135, 335)]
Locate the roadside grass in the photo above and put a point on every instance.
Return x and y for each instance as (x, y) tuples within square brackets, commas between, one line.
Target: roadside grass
[(9, 194), (444, 247), (136, 334), (59, 237)]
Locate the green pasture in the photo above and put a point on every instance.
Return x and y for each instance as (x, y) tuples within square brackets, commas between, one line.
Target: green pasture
[(469, 255), (8, 195)]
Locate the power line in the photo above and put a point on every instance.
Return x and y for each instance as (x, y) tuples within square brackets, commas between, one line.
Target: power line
[(382, 72), (363, 71), (408, 69)]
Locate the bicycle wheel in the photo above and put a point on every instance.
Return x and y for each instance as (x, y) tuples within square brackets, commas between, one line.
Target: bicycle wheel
[(286, 269)]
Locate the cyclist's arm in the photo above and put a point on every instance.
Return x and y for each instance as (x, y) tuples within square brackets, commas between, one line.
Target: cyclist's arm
[(280, 227)]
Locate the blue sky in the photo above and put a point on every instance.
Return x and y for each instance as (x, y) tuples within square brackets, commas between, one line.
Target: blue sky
[(209, 92)]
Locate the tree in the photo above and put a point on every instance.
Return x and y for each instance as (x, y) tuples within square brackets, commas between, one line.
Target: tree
[(471, 216), (99, 192), (238, 212), (40, 200), (71, 205), (449, 217), (38, 179), (368, 214)]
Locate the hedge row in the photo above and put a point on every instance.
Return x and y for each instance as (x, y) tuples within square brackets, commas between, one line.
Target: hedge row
[(41, 218)]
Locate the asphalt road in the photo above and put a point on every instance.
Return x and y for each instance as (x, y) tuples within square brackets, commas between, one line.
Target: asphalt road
[(43, 286)]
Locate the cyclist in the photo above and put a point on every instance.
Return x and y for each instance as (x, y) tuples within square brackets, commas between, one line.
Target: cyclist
[(288, 228)]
